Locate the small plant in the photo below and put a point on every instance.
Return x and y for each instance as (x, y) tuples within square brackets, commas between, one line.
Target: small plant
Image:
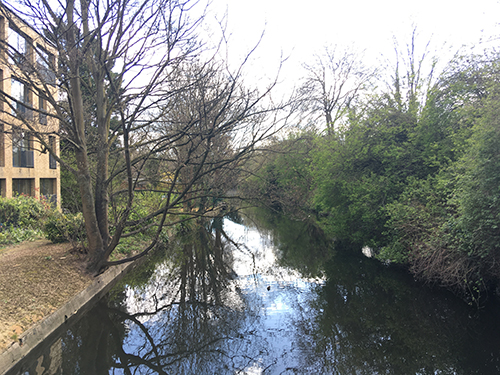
[(12, 235), (129, 245)]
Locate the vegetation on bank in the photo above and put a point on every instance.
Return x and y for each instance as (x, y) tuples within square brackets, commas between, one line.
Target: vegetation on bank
[(21, 219), (25, 218), (412, 172)]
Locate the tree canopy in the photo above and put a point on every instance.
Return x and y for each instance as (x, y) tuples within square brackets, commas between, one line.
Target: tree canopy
[(412, 173), (142, 105)]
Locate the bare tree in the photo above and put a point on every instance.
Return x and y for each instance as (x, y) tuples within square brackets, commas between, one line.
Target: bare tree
[(412, 83), (333, 83), (126, 91)]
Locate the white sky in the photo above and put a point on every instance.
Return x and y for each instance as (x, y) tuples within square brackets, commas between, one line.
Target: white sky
[(300, 29)]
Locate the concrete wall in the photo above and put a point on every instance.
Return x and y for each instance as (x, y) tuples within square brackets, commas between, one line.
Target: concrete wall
[(31, 343)]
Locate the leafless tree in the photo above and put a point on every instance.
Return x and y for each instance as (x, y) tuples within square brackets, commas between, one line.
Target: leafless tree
[(128, 95), (333, 83), (414, 73)]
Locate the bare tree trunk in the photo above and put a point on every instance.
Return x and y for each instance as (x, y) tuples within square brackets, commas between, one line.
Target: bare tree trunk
[(101, 185), (329, 121), (101, 194), (95, 243), (94, 238)]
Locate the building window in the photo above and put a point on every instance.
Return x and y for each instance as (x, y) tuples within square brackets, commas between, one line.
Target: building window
[(53, 146), (19, 46), (44, 64), (42, 58), (2, 187), (22, 150), (48, 189), (23, 186), (42, 115), (20, 94)]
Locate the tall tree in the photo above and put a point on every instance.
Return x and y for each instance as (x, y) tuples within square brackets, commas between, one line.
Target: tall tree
[(368, 163), (120, 66), (333, 83)]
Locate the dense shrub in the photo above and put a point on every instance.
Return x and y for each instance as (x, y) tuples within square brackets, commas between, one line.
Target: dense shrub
[(22, 211), (12, 235), (65, 227), (21, 219), (25, 218)]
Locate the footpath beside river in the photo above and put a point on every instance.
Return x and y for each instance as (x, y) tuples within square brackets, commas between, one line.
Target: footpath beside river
[(42, 286)]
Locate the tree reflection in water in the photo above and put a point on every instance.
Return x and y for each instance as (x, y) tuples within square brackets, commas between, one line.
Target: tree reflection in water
[(189, 318), (193, 314), (370, 320)]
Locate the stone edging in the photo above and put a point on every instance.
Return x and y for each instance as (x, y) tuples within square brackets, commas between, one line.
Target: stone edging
[(41, 330)]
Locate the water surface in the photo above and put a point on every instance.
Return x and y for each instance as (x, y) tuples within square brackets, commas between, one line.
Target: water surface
[(273, 298)]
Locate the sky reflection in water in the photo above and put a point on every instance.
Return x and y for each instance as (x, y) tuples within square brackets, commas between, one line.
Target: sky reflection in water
[(267, 300), (217, 308)]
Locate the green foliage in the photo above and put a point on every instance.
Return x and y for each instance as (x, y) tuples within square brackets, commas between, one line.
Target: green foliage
[(361, 169), (129, 245), (478, 194), (417, 212), (284, 182), (22, 211), (13, 235), (414, 175), (445, 227), (145, 202), (71, 200), (65, 227), (21, 219)]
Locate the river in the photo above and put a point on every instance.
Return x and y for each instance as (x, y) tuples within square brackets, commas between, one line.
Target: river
[(270, 296)]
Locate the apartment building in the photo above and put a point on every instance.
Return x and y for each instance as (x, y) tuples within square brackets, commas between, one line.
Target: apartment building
[(27, 62)]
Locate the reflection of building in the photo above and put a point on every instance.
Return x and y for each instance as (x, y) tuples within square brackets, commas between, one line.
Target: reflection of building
[(26, 62)]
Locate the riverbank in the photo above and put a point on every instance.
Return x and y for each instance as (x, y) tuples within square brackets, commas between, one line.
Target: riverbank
[(37, 278), (62, 289)]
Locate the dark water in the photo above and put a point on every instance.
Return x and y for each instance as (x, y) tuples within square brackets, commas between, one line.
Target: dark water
[(234, 299)]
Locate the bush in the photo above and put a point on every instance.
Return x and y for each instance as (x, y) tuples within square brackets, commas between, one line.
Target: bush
[(21, 219), (65, 227), (22, 211)]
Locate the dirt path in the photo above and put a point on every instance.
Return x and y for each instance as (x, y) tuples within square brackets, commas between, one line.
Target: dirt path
[(36, 278)]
